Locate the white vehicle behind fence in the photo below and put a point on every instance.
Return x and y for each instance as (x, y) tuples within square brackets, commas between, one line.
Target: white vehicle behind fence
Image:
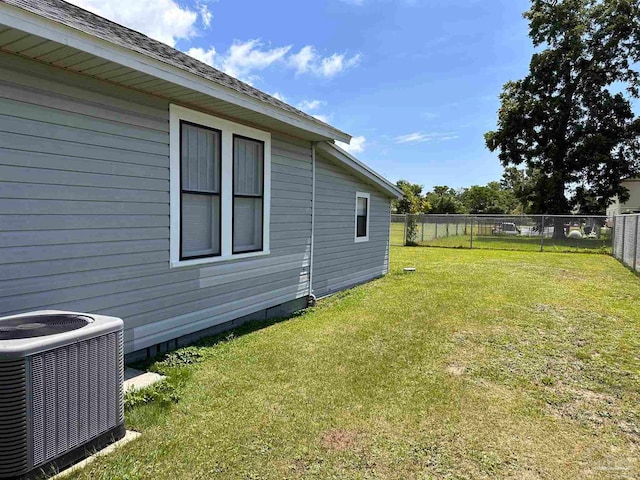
[(506, 228)]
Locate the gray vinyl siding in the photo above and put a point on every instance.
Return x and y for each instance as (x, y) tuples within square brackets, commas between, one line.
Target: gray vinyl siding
[(84, 212), (339, 262)]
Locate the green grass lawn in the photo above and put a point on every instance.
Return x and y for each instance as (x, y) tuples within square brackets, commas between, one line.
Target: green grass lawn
[(397, 233), (481, 364)]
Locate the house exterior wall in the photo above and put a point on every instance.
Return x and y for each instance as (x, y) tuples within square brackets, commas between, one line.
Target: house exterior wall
[(84, 212), (339, 262), (630, 206), (85, 215)]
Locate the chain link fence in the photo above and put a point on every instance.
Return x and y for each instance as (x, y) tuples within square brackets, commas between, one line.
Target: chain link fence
[(626, 244), (562, 233)]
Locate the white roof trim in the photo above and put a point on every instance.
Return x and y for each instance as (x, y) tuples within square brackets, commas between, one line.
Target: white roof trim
[(42, 27), (352, 162)]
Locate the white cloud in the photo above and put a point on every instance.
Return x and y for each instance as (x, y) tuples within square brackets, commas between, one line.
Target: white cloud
[(163, 20), (418, 137), (307, 60), (357, 145), (308, 105), (205, 15), (301, 61), (206, 56), (245, 57), (337, 63), (242, 59)]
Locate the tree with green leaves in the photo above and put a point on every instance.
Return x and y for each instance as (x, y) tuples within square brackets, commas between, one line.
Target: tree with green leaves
[(443, 199), (522, 184), (411, 204), (490, 198), (412, 201), (570, 121)]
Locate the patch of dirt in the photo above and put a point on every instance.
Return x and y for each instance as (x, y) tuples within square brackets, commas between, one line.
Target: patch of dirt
[(596, 409), (456, 370), (568, 274), (549, 310), (339, 439)]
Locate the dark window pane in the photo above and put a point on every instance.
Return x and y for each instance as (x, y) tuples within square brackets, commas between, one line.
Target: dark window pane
[(362, 226)]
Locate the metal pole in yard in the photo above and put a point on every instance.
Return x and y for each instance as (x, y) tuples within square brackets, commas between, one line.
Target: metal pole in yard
[(422, 232), (613, 236), (635, 245), (542, 235), (447, 227), (404, 234), (436, 220), (456, 229), (471, 240)]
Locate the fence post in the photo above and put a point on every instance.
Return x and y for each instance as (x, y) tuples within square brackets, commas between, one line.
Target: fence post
[(422, 229), (404, 236), (624, 227), (471, 240), (613, 236), (635, 245), (542, 234)]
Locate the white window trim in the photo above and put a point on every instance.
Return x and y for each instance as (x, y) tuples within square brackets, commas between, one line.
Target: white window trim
[(228, 129), (355, 233)]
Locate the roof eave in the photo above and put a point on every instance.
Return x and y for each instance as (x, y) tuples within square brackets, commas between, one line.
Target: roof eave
[(40, 26)]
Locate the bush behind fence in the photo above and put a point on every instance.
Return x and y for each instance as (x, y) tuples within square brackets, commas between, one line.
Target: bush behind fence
[(506, 232)]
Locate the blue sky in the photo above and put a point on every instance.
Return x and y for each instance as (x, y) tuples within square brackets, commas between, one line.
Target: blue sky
[(416, 82)]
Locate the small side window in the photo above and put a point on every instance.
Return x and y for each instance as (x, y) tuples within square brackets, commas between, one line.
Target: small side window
[(362, 216)]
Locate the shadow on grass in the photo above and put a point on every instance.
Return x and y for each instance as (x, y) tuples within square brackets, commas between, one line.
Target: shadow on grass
[(213, 340)]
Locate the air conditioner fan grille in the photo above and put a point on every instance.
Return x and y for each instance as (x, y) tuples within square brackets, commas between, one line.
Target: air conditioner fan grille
[(41, 325)]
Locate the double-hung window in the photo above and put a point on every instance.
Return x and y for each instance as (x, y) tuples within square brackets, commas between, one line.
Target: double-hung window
[(362, 216), (220, 175)]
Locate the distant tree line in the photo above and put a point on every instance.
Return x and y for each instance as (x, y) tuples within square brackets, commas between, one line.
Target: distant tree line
[(494, 197)]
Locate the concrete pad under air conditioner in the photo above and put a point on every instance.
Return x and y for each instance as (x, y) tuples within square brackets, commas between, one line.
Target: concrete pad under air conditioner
[(129, 436), (137, 379)]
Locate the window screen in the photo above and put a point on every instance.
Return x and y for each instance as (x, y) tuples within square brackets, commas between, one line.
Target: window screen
[(361, 217), (248, 194), (200, 171)]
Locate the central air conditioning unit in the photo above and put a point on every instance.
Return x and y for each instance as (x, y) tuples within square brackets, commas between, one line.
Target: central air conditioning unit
[(61, 392)]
